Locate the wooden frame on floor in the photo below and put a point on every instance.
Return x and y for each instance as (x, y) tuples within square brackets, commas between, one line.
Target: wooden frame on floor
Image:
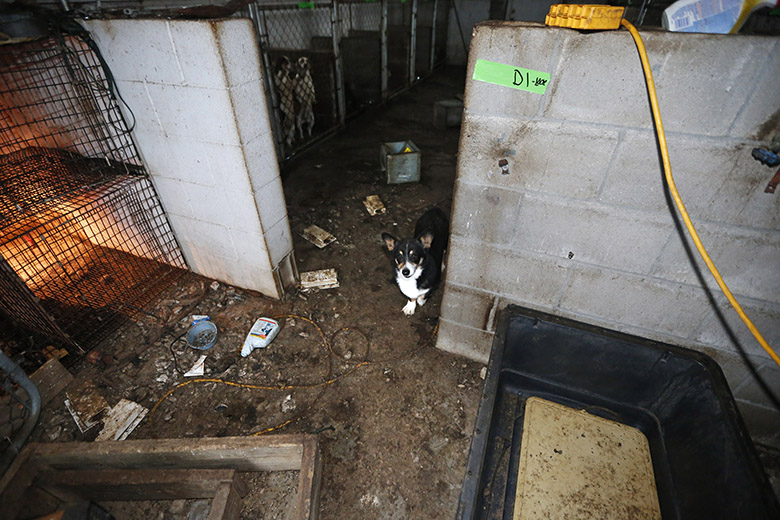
[(160, 469)]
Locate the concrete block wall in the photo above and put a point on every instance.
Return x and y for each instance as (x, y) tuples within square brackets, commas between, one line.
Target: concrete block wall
[(580, 226), (195, 92)]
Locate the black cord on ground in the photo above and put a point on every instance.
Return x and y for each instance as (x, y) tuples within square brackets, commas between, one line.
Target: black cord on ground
[(173, 352)]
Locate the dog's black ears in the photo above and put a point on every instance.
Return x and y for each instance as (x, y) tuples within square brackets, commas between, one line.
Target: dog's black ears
[(390, 241), (426, 239)]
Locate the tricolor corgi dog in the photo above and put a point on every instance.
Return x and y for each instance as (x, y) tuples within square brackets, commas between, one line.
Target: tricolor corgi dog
[(418, 261)]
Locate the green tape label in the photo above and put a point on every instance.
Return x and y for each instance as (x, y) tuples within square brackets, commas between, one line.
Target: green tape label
[(305, 5), (512, 77)]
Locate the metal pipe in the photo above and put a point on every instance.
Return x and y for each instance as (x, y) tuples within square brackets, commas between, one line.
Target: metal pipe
[(272, 98), (383, 52), (433, 35), (335, 30), (413, 44), (17, 375)]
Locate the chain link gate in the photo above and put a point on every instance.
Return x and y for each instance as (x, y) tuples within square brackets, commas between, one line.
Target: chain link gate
[(323, 62)]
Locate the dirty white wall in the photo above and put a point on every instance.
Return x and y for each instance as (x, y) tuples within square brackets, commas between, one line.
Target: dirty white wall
[(194, 90), (580, 226)]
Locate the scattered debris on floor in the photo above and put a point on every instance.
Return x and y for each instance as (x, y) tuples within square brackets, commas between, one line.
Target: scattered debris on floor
[(322, 279), (374, 205), (121, 420), (317, 236), (85, 404), (198, 369)]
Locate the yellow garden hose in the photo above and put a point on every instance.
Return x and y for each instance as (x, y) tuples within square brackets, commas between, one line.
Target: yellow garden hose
[(676, 195)]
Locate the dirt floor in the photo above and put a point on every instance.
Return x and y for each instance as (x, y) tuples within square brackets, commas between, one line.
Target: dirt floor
[(394, 424), (394, 432)]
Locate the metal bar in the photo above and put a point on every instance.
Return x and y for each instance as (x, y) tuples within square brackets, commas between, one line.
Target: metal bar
[(270, 88), (383, 36), (334, 22), (433, 34), (413, 44)]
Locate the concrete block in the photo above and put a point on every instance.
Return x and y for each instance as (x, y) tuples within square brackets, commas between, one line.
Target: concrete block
[(763, 424), (635, 301), (486, 212), (147, 122), (553, 157), (198, 53), (241, 274), (503, 271), (137, 49), (200, 240), (587, 232), (232, 209), (686, 65), (755, 120), (766, 394), (469, 307), (747, 259), (764, 316), (171, 193), (529, 46), (261, 161), (270, 203), (744, 192), (249, 110), (240, 56), (740, 197), (251, 248), (598, 79), (199, 113), (177, 158), (279, 241), (464, 341), (699, 165)]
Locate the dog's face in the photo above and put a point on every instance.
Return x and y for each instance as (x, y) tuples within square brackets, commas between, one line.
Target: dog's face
[(408, 254), (303, 63)]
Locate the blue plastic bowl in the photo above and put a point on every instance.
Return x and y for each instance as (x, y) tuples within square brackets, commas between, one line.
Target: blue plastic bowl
[(202, 335)]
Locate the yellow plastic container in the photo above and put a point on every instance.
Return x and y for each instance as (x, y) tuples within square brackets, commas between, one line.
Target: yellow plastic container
[(578, 16)]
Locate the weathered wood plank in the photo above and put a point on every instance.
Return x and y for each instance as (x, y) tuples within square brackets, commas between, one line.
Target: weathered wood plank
[(165, 467), (226, 504), (272, 453), (51, 379), (309, 481), (139, 484), (15, 482)]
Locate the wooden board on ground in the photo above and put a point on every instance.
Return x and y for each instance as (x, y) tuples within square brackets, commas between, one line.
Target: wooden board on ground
[(169, 468), (51, 379), (317, 236)]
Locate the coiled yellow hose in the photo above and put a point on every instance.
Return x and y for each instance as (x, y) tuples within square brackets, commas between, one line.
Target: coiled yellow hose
[(676, 195)]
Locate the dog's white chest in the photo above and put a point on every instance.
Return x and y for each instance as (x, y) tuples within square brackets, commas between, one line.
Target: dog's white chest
[(408, 286)]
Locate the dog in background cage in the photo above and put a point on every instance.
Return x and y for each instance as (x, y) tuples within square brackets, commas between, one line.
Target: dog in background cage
[(285, 79), (305, 95)]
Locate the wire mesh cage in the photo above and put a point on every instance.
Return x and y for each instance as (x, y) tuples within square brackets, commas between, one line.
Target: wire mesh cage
[(325, 61), (360, 45), (296, 45), (83, 238)]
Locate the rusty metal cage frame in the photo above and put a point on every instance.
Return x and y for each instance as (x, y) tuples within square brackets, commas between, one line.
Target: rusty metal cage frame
[(84, 241)]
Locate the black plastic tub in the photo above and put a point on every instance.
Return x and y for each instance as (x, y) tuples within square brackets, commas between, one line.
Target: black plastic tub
[(704, 462)]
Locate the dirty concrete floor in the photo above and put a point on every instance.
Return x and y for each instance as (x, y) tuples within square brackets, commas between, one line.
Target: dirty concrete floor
[(394, 433)]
